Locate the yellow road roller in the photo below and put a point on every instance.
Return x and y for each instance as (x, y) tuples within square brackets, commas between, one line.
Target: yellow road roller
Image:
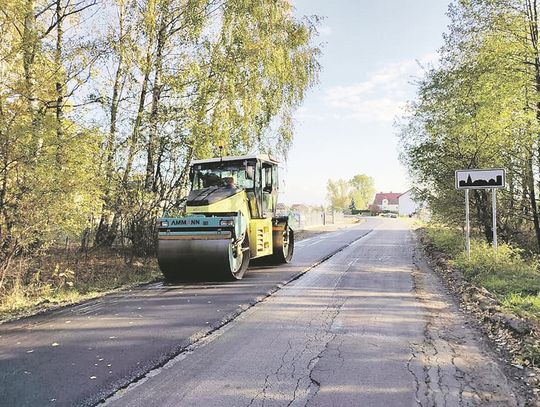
[(230, 218)]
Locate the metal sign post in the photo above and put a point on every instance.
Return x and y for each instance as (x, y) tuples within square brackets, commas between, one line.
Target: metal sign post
[(494, 211), (480, 179), (467, 225)]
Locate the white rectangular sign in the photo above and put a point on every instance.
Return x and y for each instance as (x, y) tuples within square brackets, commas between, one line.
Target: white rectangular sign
[(481, 179)]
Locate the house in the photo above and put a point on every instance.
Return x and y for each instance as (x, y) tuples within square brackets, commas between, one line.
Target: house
[(407, 203), (386, 202)]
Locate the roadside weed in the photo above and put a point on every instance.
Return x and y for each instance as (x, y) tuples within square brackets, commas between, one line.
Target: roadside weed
[(525, 305), (509, 275), (505, 273), (35, 287), (446, 240)]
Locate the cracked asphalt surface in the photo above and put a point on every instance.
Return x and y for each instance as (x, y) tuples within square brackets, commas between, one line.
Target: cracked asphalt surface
[(371, 326)]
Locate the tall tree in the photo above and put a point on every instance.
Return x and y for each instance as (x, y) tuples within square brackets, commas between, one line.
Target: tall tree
[(339, 194), (48, 178), (479, 108), (363, 190), (208, 72)]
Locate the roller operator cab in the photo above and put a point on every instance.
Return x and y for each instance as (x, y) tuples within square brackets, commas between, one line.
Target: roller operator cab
[(230, 218)]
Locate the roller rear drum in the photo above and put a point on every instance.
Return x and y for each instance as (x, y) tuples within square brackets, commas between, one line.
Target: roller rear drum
[(197, 259)]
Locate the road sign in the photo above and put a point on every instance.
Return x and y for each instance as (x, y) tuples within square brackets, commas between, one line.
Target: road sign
[(491, 178), (481, 179)]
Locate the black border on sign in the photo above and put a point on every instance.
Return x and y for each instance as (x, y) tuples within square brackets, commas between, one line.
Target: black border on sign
[(477, 170)]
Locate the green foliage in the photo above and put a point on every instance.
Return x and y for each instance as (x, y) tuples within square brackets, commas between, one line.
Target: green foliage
[(479, 109), (339, 194), (362, 191), (98, 127), (511, 276), (447, 240), (528, 305), (503, 274), (353, 194), (266, 63)]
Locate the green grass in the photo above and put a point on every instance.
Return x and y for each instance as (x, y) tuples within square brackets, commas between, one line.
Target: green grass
[(446, 240), (510, 276), (525, 305), (504, 273)]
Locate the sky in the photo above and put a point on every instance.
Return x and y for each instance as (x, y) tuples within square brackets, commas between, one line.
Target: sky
[(372, 53)]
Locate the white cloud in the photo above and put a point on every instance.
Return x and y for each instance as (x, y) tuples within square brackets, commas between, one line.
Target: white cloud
[(382, 96)]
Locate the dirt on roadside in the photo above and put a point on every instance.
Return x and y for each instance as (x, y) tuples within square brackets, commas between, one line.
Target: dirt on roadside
[(513, 340)]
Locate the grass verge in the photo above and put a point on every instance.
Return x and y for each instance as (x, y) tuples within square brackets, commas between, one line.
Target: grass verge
[(508, 274)]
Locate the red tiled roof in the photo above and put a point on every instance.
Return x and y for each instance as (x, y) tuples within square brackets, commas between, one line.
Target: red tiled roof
[(392, 198)]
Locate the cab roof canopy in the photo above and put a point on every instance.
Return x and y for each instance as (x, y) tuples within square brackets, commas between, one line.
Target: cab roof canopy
[(261, 157)]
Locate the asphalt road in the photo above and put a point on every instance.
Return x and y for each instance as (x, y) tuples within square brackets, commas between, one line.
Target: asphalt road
[(369, 327), (81, 355)]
